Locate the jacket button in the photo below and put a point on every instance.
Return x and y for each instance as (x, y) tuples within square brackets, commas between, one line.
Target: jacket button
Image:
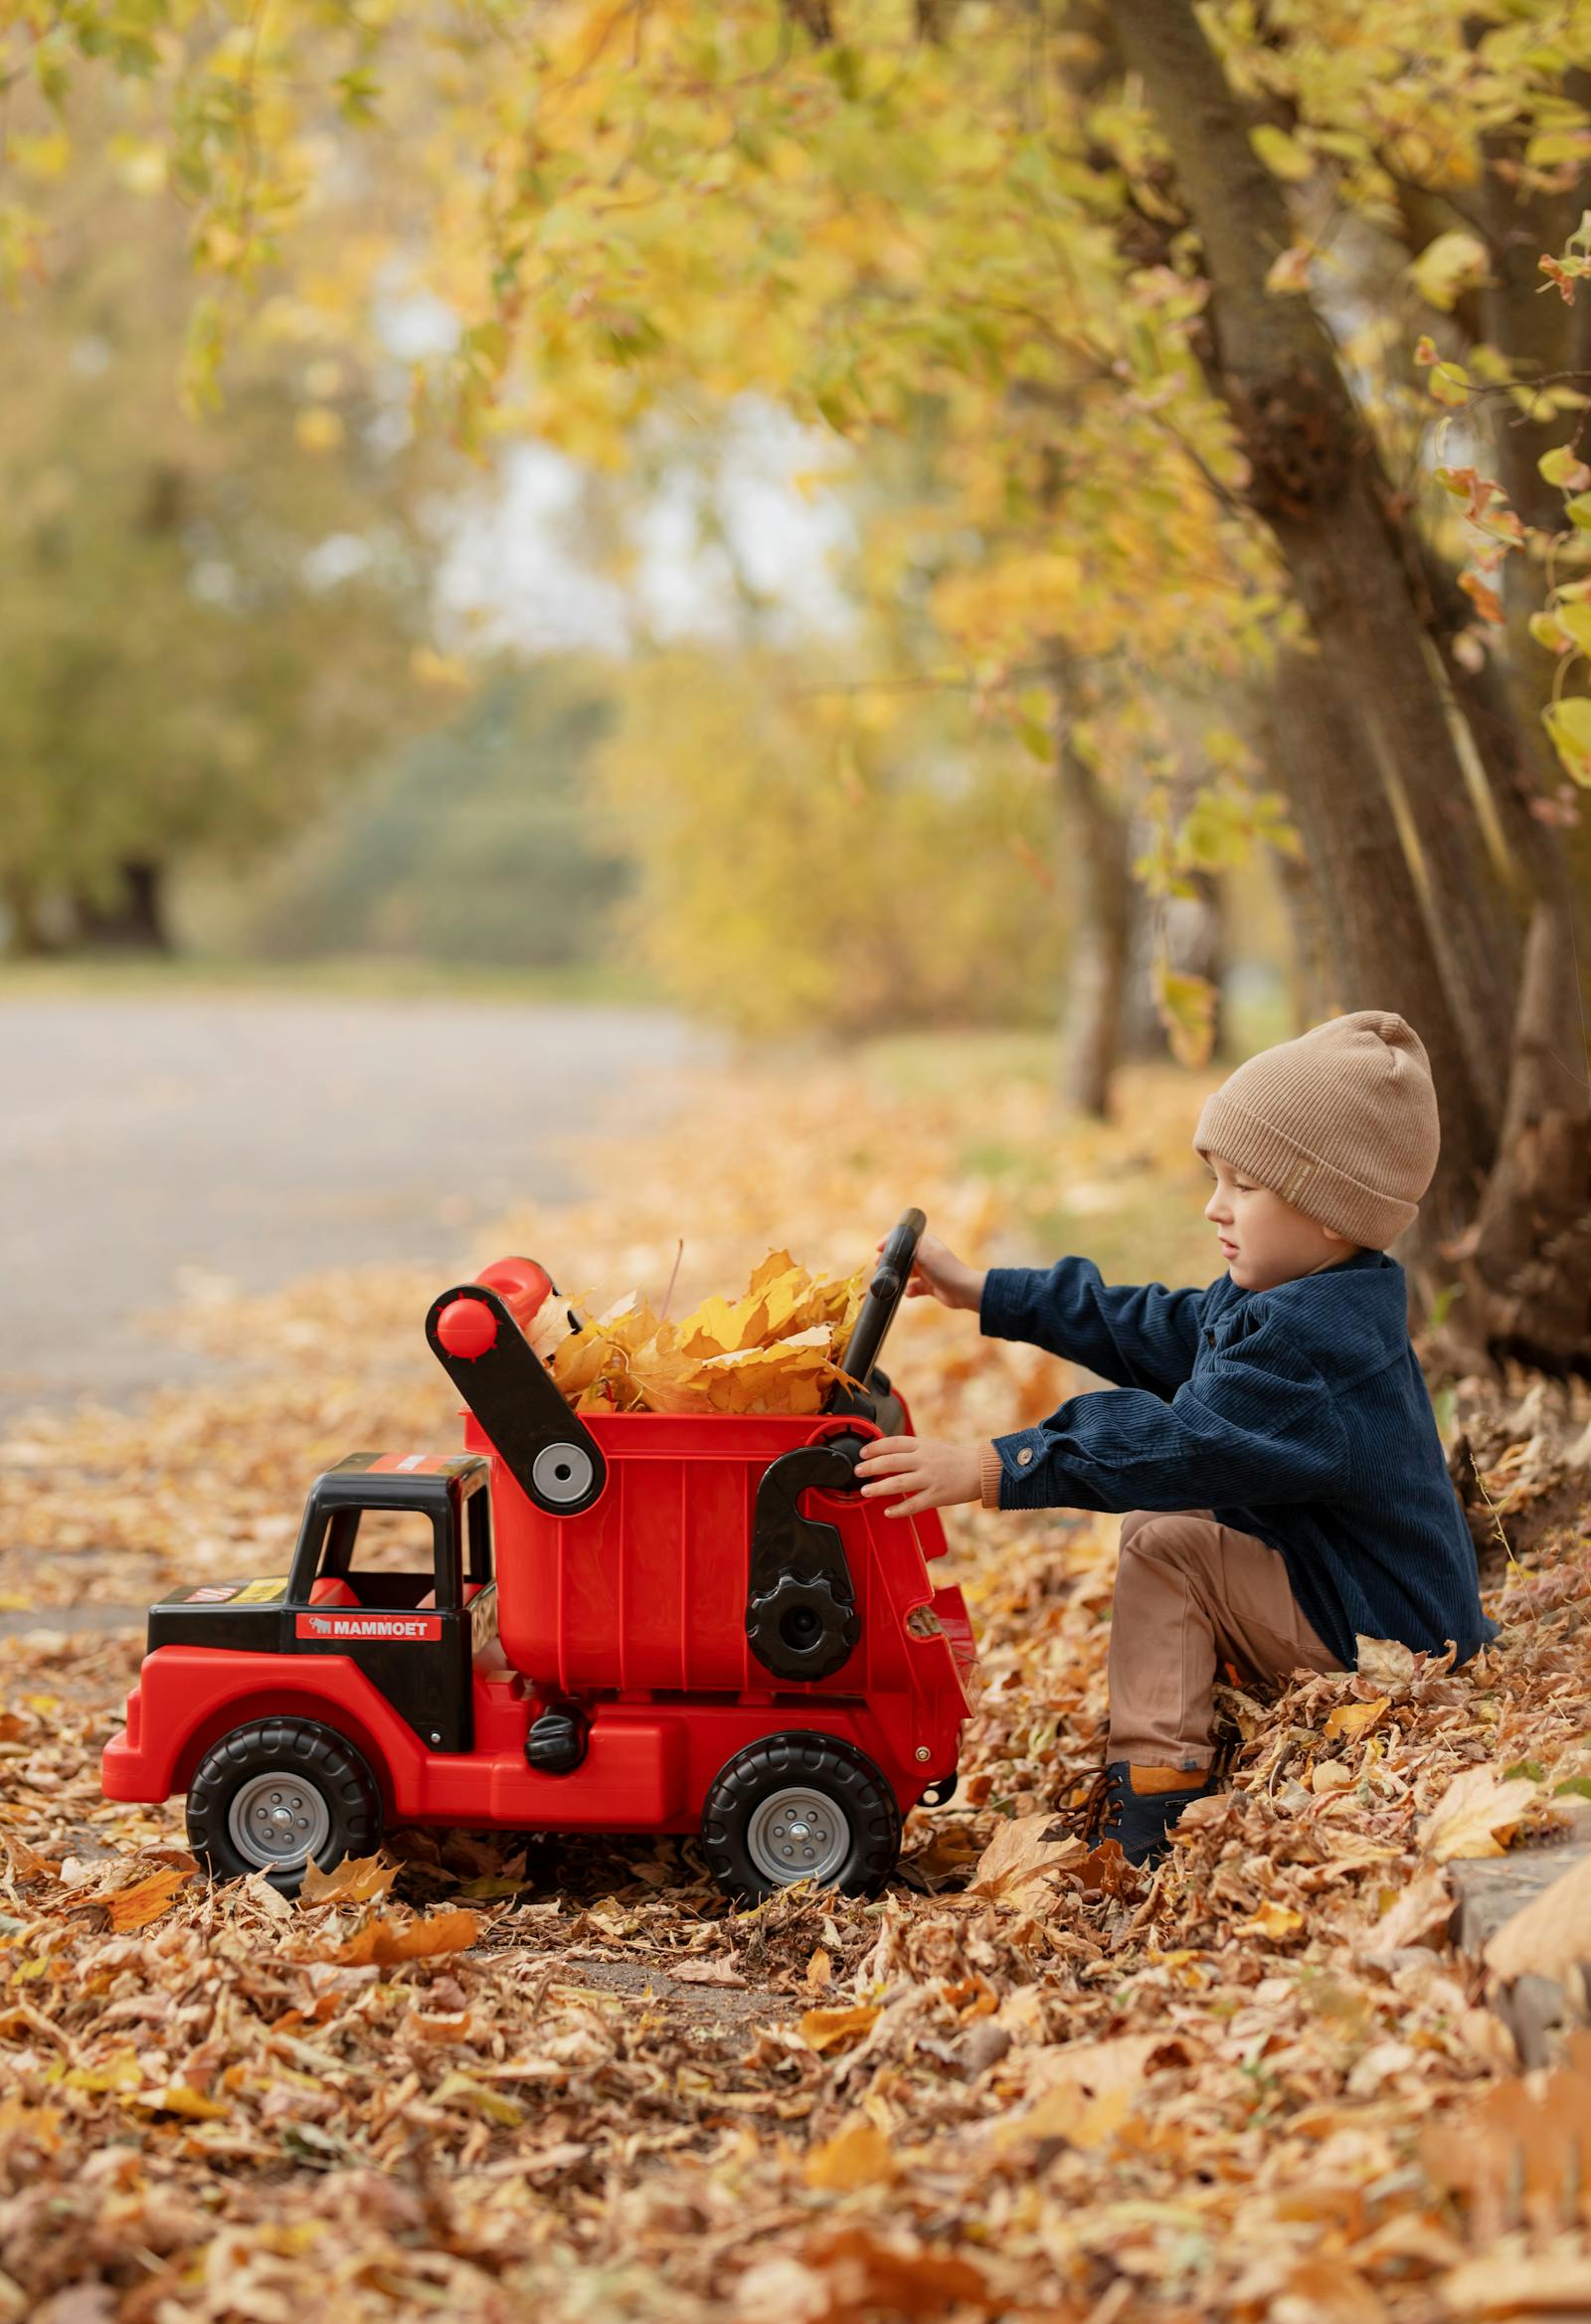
[(1024, 1456), (1209, 1338)]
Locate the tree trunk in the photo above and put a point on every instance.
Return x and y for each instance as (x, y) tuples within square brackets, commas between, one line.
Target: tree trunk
[(1317, 482), (1311, 964), (1525, 1266), (1367, 898), (28, 936), (1094, 834), (136, 920)]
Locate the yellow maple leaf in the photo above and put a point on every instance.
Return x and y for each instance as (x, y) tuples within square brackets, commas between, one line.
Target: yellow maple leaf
[(773, 1349)]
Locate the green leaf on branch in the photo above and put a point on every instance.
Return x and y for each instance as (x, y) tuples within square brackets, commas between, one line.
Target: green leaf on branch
[(1450, 384), (1281, 155), (1564, 468), (1449, 266), (1187, 1006), (1569, 724)]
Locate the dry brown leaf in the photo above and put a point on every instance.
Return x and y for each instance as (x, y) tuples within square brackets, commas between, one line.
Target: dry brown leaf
[(1081, 2092), (449, 2029), (1385, 1662), (1066, 2113), (1323, 2290), (144, 1901), (29, 1865), (479, 2097), (1477, 1806), (719, 1970), (177, 2098), (357, 1879), (825, 2029), (1518, 2283), (865, 2274), (857, 2156), (412, 1940), (1524, 2148), (1419, 1915), (1357, 1719), (1273, 1921), (1019, 1856)]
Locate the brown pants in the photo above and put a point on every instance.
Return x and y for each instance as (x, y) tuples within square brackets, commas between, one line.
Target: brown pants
[(1189, 1595)]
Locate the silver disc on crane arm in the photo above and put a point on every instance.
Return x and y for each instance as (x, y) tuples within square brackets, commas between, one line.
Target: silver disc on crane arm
[(562, 1472)]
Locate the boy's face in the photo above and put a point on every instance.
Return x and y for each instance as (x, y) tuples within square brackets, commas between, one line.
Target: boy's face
[(1263, 1239)]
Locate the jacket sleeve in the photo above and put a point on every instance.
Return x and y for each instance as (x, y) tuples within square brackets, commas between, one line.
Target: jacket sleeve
[(1139, 1335), (1258, 1425)]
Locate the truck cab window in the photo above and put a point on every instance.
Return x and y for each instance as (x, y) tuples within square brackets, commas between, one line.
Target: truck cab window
[(389, 1561)]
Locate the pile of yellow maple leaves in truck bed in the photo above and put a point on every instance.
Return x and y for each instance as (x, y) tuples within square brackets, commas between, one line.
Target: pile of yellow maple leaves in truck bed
[(503, 2076), (776, 1350)]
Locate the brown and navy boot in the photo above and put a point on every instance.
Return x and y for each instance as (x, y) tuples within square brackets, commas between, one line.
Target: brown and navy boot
[(1142, 1805)]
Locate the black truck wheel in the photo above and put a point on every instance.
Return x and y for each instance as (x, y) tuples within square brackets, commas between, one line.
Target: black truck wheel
[(796, 1807), (268, 1797)]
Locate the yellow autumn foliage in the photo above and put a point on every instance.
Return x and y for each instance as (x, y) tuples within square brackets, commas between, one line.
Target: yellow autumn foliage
[(775, 1349)]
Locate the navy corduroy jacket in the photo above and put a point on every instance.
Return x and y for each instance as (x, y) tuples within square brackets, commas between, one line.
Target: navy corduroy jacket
[(1298, 1414)]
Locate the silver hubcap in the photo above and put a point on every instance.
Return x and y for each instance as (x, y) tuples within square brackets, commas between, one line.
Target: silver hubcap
[(561, 1472), (798, 1835), (279, 1820)]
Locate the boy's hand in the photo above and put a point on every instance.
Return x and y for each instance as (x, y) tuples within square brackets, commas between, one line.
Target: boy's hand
[(928, 1476), (937, 1273)]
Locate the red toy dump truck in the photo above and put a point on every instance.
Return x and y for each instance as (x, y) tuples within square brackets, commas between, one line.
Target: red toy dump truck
[(626, 1621)]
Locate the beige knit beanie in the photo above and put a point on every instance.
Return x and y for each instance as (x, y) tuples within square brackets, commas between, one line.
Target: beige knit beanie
[(1341, 1123)]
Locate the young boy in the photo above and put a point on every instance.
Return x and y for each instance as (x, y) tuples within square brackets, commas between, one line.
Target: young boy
[(1271, 1437)]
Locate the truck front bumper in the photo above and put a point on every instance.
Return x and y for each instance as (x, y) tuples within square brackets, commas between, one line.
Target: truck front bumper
[(124, 1770)]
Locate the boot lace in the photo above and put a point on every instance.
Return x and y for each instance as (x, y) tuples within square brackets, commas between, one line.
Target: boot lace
[(1092, 1811)]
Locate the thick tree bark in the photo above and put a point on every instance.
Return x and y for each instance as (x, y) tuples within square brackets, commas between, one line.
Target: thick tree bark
[(1095, 834), (1317, 482), (1525, 1266), (1312, 967), (1367, 898)]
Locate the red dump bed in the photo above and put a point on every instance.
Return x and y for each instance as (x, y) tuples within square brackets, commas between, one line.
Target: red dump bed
[(648, 1587)]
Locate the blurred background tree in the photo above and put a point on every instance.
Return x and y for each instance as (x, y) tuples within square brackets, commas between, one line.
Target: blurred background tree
[(480, 845), (890, 867), (203, 629)]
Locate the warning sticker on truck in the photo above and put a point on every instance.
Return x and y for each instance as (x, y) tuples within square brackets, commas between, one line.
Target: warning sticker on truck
[(406, 1629)]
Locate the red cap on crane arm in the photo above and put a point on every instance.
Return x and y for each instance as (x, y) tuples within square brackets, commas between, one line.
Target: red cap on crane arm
[(466, 1327)]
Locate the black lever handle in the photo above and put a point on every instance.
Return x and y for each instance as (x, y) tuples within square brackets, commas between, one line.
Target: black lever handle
[(884, 1296)]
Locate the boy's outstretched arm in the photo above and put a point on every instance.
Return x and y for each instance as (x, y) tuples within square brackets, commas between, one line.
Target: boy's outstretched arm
[(1260, 1426), (1140, 1335)]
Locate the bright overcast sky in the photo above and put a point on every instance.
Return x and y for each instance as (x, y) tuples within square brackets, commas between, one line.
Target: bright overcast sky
[(517, 567)]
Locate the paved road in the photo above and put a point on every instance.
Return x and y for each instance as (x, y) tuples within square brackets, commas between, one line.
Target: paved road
[(148, 1142)]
